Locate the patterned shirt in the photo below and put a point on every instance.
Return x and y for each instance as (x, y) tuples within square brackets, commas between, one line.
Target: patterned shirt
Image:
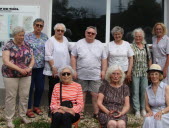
[(71, 92), (140, 64), (38, 46), (20, 56)]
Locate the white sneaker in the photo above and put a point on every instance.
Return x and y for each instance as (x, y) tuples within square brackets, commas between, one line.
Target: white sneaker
[(26, 121), (143, 112), (137, 114), (10, 124)]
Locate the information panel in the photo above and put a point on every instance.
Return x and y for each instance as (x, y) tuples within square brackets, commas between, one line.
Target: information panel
[(16, 15)]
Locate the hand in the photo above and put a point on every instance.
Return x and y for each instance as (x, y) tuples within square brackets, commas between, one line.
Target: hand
[(23, 71), (149, 114), (28, 70), (128, 77), (165, 72), (61, 111), (102, 75), (75, 75), (69, 110), (54, 72), (158, 115), (119, 114)]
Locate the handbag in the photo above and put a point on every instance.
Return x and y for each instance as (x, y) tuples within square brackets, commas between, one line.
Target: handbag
[(66, 103)]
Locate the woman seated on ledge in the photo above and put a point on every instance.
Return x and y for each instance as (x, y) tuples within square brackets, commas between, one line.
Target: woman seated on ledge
[(156, 100), (71, 91), (113, 99)]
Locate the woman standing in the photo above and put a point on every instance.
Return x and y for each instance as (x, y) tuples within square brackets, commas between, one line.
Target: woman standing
[(160, 49), (17, 69), (156, 100), (57, 55), (113, 99), (37, 40), (120, 52), (141, 62)]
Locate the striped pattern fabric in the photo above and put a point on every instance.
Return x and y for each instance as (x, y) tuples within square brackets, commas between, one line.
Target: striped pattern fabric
[(140, 64), (71, 92)]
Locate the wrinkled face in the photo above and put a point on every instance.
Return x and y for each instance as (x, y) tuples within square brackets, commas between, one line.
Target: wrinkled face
[(159, 31), (59, 31), (66, 76), (38, 26), (19, 38), (90, 34), (117, 36), (116, 76), (138, 37), (154, 77)]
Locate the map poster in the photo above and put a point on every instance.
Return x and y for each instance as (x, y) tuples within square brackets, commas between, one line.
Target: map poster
[(16, 15)]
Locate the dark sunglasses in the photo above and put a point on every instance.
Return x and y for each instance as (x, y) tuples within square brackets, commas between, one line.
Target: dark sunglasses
[(91, 33), (66, 73), (39, 25), (59, 30)]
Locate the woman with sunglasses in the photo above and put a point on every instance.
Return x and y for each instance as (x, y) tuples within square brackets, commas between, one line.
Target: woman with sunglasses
[(70, 91), (57, 55), (120, 52), (37, 40)]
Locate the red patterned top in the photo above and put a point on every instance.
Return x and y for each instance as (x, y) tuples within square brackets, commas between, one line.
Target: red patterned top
[(71, 92)]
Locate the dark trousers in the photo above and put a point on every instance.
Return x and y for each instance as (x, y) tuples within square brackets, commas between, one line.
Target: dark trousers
[(37, 82), (65, 120), (52, 82)]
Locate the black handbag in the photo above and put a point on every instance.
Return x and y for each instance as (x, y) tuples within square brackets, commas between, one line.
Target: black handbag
[(66, 103)]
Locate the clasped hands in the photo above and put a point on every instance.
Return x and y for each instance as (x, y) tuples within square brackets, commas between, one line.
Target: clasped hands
[(115, 114), (63, 110)]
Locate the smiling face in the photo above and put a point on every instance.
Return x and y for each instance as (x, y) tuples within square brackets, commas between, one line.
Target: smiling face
[(59, 31), (154, 77), (116, 76), (159, 31), (138, 37), (117, 36), (38, 26), (66, 76), (19, 37), (90, 35)]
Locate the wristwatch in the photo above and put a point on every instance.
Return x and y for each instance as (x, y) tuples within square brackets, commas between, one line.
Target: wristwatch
[(162, 112)]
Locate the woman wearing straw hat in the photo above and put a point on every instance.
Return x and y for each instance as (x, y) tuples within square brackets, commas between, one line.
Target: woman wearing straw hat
[(156, 100)]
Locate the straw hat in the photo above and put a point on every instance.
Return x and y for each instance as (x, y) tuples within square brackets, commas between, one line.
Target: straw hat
[(155, 67)]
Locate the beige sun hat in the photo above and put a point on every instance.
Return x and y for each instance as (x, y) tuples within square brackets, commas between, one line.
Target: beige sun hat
[(155, 67)]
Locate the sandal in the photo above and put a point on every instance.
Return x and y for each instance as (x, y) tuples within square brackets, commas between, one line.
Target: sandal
[(38, 111), (30, 114)]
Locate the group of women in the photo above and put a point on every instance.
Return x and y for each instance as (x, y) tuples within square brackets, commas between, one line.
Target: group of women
[(27, 58)]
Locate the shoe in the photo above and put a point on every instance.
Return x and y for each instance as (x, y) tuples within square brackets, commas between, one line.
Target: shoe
[(143, 112), (137, 114), (82, 115), (38, 111), (30, 114), (10, 124), (95, 116), (49, 114), (26, 121)]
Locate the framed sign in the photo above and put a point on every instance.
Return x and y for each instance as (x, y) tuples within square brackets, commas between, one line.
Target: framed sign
[(16, 15)]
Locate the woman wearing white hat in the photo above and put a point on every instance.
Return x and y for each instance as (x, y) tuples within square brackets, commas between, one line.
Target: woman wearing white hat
[(156, 100)]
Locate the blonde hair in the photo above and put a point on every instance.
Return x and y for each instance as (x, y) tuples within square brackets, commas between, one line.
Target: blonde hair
[(162, 25)]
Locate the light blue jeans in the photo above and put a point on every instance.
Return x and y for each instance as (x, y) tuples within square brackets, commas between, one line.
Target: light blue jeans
[(139, 85)]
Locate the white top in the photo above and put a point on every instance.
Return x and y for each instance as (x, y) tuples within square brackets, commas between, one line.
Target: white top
[(118, 54), (89, 56), (58, 52)]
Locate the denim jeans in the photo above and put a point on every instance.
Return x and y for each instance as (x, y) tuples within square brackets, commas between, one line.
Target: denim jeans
[(139, 85)]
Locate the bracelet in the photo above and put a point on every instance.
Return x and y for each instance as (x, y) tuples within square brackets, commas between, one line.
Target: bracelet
[(30, 67), (162, 112)]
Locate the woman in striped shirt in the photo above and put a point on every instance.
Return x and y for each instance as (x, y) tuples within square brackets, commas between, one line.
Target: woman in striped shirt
[(71, 91)]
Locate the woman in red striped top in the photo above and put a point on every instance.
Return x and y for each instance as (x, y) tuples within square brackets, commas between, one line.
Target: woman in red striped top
[(71, 91)]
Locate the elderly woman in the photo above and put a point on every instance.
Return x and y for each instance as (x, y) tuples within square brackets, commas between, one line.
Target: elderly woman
[(160, 48), (141, 62), (156, 100), (37, 40), (67, 90), (113, 99), (120, 52), (17, 69), (56, 55)]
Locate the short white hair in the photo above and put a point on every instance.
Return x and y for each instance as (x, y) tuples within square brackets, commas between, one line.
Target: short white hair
[(17, 30), (60, 70), (59, 24), (139, 30), (112, 69)]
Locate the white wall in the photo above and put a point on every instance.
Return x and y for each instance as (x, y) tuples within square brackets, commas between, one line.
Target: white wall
[(45, 13)]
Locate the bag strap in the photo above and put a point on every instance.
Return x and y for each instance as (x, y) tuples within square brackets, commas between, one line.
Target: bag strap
[(146, 52), (60, 93)]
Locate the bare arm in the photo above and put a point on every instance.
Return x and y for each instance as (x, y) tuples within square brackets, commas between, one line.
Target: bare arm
[(29, 69), (73, 64), (149, 63), (129, 68), (147, 106), (54, 69), (104, 68)]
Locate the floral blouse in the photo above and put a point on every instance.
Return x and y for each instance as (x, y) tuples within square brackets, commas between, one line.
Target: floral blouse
[(38, 46), (20, 56)]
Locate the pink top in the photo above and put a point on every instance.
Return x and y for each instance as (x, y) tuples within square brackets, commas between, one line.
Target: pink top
[(71, 92)]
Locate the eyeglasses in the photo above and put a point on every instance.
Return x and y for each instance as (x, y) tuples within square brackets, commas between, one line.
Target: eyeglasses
[(59, 30), (91, 33), (39, 25), (66, 73)]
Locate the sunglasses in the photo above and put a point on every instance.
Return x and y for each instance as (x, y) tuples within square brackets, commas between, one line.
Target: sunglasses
[(66, 73), (59, 30), (39, 25), (91, 33)]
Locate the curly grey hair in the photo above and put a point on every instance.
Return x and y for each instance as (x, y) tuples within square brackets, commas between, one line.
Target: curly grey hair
[(17, 30), (117, 29), (59, 24), (140, 30), (65, 67), (112, 69), (38, 20)]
